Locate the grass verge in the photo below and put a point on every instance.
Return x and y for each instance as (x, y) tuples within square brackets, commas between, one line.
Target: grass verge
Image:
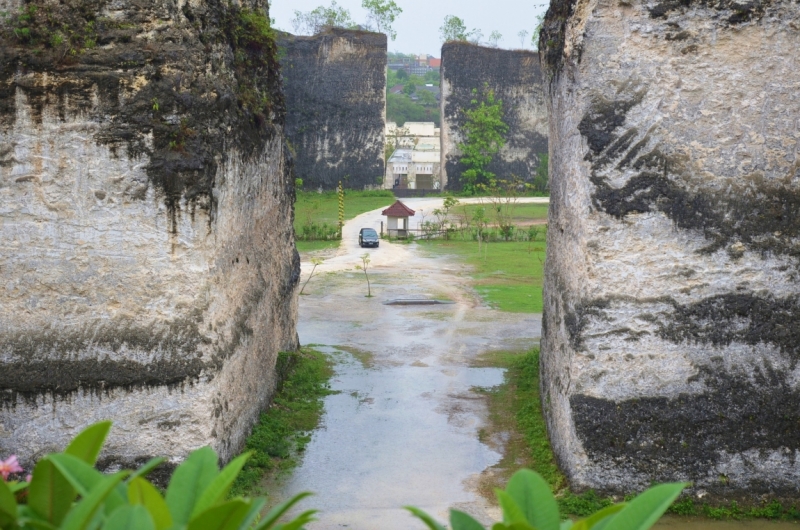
[(323, 207), (283, 431), (311, 246), (515, 413), (507, 275)]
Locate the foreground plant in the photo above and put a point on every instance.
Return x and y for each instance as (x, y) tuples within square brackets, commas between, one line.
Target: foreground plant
[(196, 498), (528, 504)]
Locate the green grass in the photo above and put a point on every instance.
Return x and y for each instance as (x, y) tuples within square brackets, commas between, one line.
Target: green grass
[(283, 431), (508, 275), (518, 213), (324, 207), (311, 246)]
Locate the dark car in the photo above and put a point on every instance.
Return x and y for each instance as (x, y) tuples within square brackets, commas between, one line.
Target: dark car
[(368, 237)]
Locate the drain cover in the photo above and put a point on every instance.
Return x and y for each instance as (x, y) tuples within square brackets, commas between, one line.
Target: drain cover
[(416, 301)]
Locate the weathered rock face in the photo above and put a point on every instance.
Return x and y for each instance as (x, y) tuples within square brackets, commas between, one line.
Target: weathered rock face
[(672, 341), (148, 259), (516, 78), (335, 85)]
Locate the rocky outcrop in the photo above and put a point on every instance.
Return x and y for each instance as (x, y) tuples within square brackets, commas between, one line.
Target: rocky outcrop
[(670, 349), (515, 77), (148, 257), (335, 84)]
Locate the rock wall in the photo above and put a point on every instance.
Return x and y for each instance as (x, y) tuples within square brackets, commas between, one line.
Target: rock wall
[(515, 77), (671, 341), (148, 258), (335, 85)]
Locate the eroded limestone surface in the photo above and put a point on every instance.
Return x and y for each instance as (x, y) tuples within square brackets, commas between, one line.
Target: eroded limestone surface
[(148, 263), (515, 76), (336, 106), (670, 348)]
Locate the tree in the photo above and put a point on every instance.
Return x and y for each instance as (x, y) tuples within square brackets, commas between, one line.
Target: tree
[(455, 29), (315, 21), (426, 98), (484, 135), (381, 15), (522, 34), (495, 38), (409, 88), (402, 75), (364, 266), (537, 31)]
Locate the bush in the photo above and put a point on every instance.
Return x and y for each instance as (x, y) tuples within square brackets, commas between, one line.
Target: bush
[(196, 497)]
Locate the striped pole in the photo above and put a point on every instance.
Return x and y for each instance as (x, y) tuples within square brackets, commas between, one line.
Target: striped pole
[(341, 208)]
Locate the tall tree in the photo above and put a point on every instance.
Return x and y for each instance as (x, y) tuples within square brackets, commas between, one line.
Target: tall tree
[(455, 29), (522, 34), (318, 19), (495, 38), (381, 15), (484, 136)]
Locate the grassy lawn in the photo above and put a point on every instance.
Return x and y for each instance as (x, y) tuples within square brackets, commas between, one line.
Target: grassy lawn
[(324, 207), (519, 213), (508, 275), (311, 246)]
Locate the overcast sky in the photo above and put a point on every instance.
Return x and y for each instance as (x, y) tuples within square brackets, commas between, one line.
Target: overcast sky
[(418, 26)]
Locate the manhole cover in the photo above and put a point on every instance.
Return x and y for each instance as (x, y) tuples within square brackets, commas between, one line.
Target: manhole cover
[(416, 301)]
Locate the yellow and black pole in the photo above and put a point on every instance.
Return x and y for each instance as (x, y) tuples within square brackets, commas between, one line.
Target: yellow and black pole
[(341, 208)]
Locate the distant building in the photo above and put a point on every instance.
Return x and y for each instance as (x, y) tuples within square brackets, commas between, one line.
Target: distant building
[(416, 161), (419, 65)]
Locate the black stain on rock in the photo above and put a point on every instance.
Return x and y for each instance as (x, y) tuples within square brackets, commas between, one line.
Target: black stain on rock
[(514, 76), (670, 439), (335, 84)]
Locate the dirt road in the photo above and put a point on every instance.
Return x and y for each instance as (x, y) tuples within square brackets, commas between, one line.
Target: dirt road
[(403, 429)]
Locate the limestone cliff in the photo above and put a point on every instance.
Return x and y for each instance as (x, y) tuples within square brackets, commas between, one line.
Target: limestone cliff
[(335, 84), (670, 348), (516, 79), (148, 258)]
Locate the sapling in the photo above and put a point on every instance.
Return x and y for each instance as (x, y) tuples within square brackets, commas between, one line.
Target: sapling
[(315, 262), (364, 266)]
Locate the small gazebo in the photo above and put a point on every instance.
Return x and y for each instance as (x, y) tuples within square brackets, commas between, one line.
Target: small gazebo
[(397, 219)]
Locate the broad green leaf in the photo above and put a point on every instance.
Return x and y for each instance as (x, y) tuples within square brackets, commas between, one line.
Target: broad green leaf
[(463, 521), (277, 512), (592, 520), (520, 525), (16, 486), (130, 518), (146, 468), (642, 512), (226, 516), (8, 505), (83, 511), (566, 524), (532, 494), (512, 513), (256, 505), (218, 489), (427, 519), (189, 482), (88, 444), (28, 518), (298, 522), (50, 495), (83, 477), (140, 491)]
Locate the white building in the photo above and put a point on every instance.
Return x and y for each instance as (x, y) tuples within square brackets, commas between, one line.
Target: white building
[(416, 161)]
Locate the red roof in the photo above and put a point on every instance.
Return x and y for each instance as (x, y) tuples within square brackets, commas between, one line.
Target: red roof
[(435, 63), (398, 209)]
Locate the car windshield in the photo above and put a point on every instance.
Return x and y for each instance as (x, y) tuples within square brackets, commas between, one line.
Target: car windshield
[(369, 232)]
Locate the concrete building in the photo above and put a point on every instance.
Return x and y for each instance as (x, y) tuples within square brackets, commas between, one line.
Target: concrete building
[(416, 161)]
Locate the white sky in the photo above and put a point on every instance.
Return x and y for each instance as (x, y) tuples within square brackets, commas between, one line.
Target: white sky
[(418, 26)]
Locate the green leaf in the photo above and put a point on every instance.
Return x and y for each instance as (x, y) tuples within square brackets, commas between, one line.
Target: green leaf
[(512, 513), (16, 486), (277, 512), (130, 518), (298, 522), (8, 506), (566, 525), (256, 505), (226, 516), (592, 520), (28, 519), (642, 512), (50, 495), (189, 482), (84, 478), (88, 444), (427, 519), (520, 525), (219, 487), (140, 491), (463, 521), (83, 511), (532, 494)]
